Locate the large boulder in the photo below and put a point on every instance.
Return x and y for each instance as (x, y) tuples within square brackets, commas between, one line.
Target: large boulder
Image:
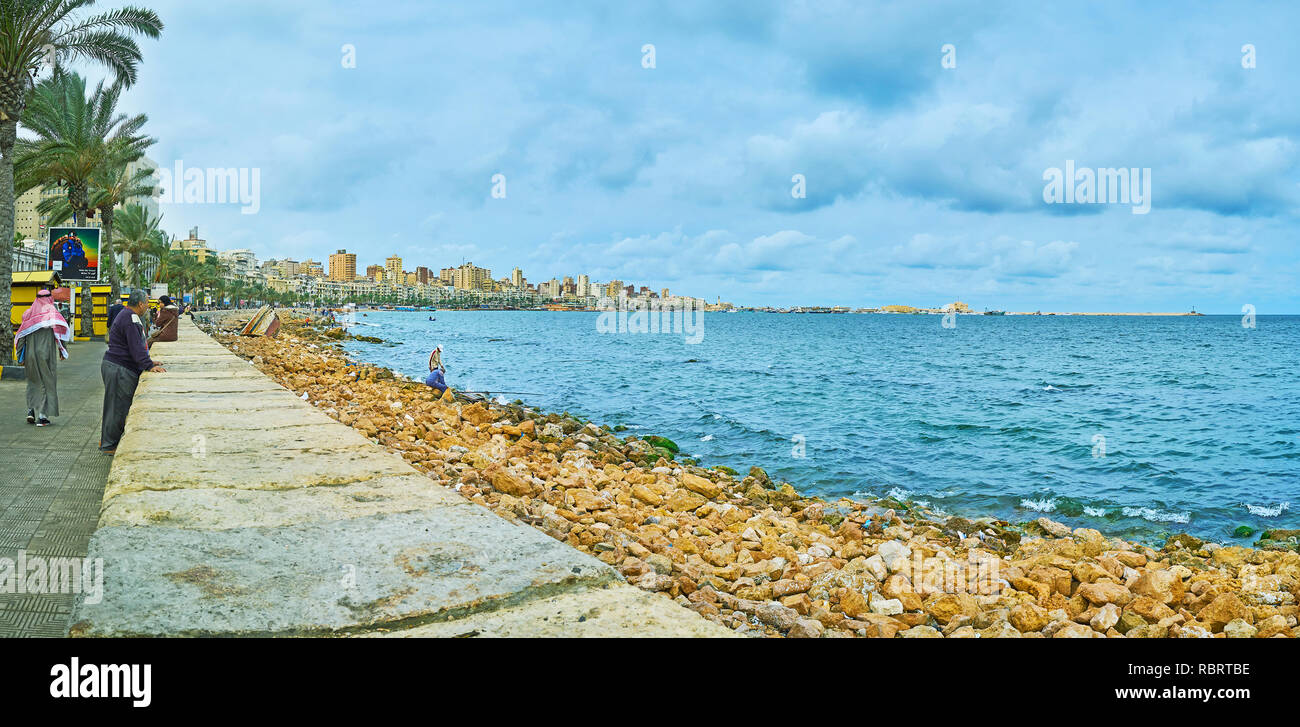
[(701, 485), (1164, 586), (1223, 610)]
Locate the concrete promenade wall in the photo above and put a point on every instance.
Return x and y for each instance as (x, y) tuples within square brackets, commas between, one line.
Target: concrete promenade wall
[(234, 508)]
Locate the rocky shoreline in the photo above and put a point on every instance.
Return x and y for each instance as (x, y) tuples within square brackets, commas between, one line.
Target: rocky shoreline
[(756, 556)]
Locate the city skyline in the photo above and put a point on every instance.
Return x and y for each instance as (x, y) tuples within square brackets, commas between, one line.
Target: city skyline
[(923, 182), (342, 267)]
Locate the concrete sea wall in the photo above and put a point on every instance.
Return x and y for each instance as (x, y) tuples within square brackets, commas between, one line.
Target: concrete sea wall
[(234, 508)]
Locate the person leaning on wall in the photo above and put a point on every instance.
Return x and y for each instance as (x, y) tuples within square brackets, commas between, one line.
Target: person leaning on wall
[(126, 358)]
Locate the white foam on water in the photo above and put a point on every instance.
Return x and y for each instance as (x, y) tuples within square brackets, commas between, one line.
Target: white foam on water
[(707, 438), (1047, 504), (899, 493), (1158, 516), (1268, 510), (1094, 511)]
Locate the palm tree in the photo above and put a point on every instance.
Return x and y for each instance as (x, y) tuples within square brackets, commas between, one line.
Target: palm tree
[(32, 34), (181, 269), (140, 238), (114, 185), (79, 139), (237, 290), (206, 275), (111, 184), (219, 277)]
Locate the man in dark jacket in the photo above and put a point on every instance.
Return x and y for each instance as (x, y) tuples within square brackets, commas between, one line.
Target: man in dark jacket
[(124, 361), (113, 310)]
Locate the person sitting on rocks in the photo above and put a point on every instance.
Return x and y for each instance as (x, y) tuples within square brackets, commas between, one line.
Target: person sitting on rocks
[(435, 378)]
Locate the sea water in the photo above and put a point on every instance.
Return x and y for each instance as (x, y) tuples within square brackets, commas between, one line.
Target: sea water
[(1136, 426)]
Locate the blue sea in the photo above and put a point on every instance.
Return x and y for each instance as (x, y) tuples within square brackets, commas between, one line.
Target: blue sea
[(1136, 426)]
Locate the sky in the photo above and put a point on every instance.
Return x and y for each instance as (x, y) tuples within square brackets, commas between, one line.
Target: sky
[(923, 132)]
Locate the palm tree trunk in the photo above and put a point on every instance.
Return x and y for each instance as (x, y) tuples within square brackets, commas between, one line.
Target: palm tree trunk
[(8, 134), (106, 251), (85, 328)]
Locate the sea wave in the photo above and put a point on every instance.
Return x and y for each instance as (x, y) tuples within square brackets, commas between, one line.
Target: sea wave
[(1047, 504), (1267, 510), (1157, 516)]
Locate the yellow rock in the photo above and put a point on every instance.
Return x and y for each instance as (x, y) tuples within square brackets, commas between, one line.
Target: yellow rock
[(686, 545), (683, 500), (706, 487), (587, 500), (647, 495), (946, 607), (1028, 617), (511, 485), (853, 604)]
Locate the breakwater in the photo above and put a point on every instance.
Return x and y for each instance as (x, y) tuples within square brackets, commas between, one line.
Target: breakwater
[(752, 553)]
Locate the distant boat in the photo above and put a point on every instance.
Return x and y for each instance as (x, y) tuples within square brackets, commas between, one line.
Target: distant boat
[(995, 312)]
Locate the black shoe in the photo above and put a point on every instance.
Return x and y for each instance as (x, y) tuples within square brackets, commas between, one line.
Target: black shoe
[(31, 416), (42, 422)]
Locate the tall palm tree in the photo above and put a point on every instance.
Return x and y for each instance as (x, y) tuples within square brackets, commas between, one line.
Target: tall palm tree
[(34, 33), (114, 188), (218, 277), (139, 237), (79, 138), (181, 269), (237, 290), (111, 185)]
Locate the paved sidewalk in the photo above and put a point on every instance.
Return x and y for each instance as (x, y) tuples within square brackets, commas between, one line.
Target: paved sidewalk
[(268, 518), (51, 484)]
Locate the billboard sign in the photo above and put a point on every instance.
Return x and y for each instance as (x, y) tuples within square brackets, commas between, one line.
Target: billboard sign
[(74, 253)]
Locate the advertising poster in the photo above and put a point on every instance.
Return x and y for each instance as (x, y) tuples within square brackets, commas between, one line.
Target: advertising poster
[(74, 253)]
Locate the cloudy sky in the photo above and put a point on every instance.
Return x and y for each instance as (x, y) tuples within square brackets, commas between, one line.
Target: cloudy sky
[(924, 184)]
